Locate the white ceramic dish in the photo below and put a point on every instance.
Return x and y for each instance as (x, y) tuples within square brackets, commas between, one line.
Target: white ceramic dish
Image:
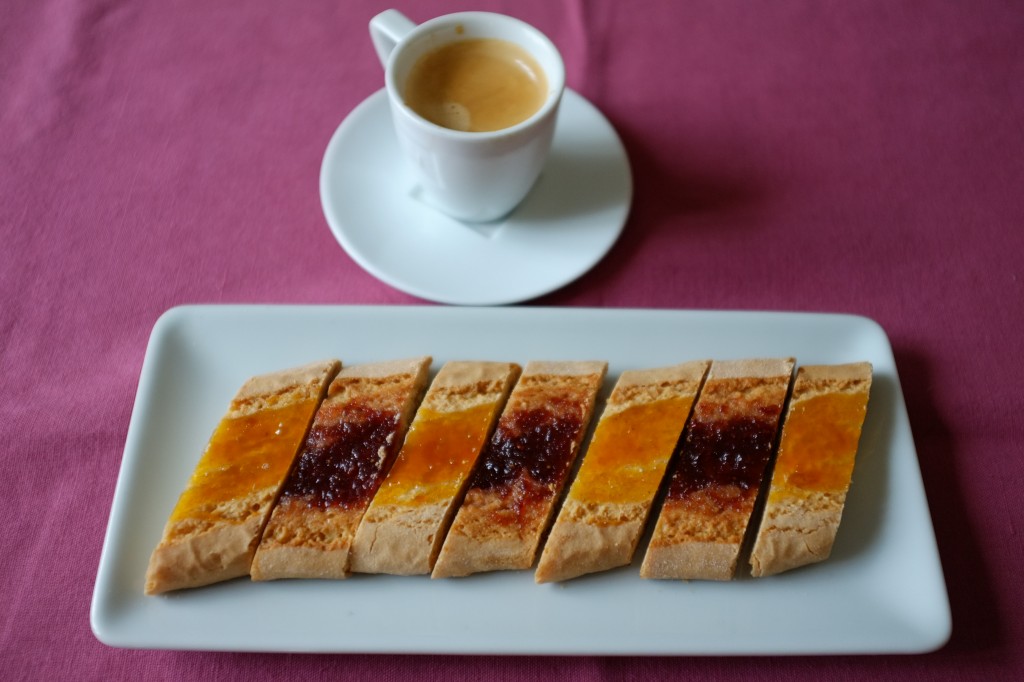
[(568, 222), (881, 591)]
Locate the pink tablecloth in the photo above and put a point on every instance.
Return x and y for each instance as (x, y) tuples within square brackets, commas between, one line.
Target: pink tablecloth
[(862, 157)]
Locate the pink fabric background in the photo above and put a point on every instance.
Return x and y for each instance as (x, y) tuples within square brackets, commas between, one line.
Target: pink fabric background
[(863, 157)]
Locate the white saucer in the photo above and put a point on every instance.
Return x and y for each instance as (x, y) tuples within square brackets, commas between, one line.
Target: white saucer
[(566, 224)]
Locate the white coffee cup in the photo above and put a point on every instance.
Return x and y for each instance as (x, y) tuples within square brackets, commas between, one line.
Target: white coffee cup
[(471, 176)]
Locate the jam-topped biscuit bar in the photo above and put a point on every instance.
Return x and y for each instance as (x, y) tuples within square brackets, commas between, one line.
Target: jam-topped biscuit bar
[(813, 468), (402, 531), (605, 512), (213, 530), (357, 432), (513, 491), (718, 472)]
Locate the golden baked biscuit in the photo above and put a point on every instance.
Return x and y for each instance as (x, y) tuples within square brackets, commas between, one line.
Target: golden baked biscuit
[(213, 530), (357, 432), (402, 531), (718, 473), (813, 468), (520, 475), (606, 509)]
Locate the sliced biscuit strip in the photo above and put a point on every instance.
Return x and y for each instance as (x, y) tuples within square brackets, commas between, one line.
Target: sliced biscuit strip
[(357, 432), (513, 491), (212, 533), (402, 531), (813, 468), (718, 472), (604, 514)]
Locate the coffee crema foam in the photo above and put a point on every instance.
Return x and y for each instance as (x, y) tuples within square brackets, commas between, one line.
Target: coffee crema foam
[(476, 85)]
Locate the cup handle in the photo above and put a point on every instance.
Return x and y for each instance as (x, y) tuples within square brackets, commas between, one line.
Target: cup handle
[(386, 30)]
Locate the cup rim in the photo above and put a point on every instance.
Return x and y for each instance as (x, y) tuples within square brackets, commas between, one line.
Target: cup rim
[(555, 88)]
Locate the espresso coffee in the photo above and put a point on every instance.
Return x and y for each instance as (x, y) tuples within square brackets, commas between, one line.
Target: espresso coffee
[(476, 85)]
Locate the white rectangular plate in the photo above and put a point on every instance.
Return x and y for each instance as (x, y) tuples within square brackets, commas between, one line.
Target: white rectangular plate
[(881, 591)]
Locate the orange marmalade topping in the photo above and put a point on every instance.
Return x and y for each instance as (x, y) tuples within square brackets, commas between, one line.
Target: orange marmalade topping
[(628, 454), (245, 454), (819, 442), (438, 455)]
